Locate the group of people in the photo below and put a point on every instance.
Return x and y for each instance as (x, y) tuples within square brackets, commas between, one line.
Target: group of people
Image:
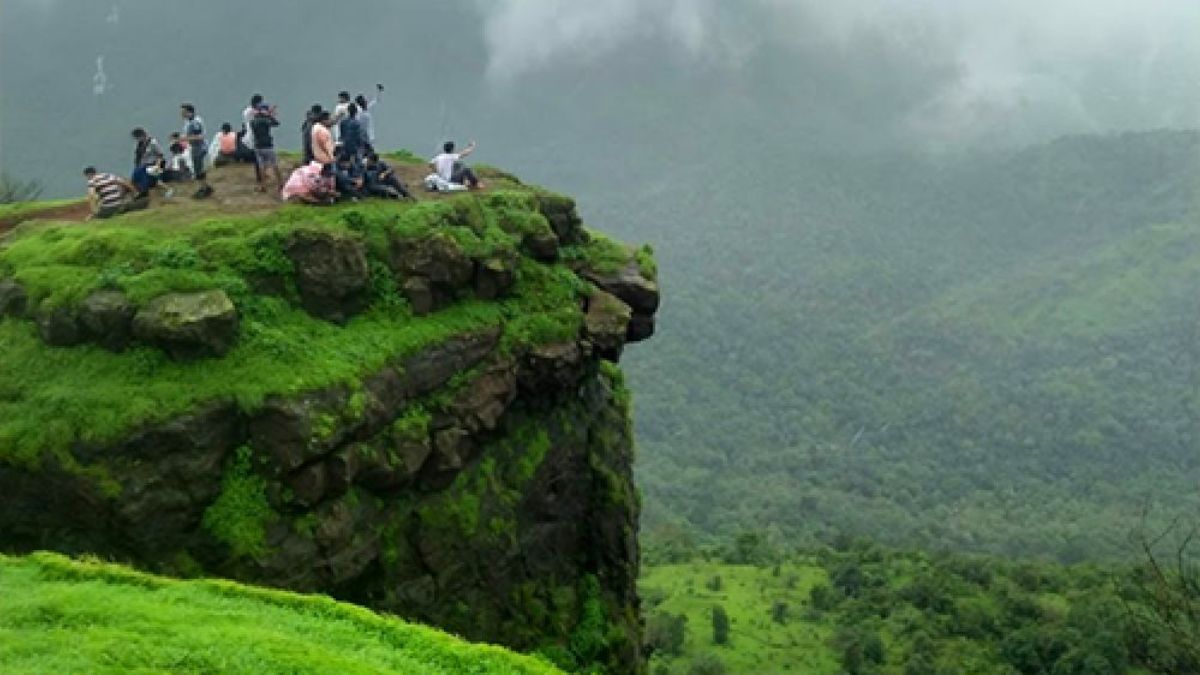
[(340, 162)]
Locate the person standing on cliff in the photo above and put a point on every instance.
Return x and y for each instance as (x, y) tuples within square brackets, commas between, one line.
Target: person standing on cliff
[(193, 133), (264, 145), (365, 117), (339, 112), (310, 118), (248, 116)]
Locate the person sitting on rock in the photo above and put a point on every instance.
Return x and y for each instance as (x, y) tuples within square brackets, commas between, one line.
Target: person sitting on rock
[(109, 195), (450, 167), (382, 180), (311, 183)]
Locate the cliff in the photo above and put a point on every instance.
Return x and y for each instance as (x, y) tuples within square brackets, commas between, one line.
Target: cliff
[(412, 407)]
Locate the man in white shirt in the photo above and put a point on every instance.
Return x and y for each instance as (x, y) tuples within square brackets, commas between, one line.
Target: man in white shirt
[(450, 167), (340, 112), (365, 119)]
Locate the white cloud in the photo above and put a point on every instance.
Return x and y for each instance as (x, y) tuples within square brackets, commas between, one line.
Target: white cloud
[(1081, 64)]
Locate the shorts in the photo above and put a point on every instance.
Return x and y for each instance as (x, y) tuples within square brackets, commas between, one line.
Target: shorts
[(266, 157), (198, 160)]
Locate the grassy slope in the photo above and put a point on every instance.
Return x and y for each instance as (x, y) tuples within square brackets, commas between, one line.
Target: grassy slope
[(50, 397), (758, 645), (59, 615)]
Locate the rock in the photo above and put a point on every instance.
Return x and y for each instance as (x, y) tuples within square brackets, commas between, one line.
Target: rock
[(107, 317), (12, 298), (394, 464), (607, 323), (426, 372), (341, 468), (438, 258), (296, 431), (555, 367), (641, 327), (452, 448), (560, 212), (543, 246), (628, 284), (419, 293), (189, 325), (60, 328), (332, 274), (481, 404), (494, 278), (335, 527), (308, 484)]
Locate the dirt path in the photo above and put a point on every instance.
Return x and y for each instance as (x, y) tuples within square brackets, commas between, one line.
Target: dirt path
[(233, 193)]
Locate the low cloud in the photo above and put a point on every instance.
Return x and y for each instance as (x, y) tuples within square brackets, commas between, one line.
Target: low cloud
[(1016, 68)]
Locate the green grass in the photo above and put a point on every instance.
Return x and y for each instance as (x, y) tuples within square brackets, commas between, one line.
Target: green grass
[(23, 210), (757, 644), (60, 615)]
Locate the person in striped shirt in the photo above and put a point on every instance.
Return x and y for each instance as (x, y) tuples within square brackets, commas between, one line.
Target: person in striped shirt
[(109, 194)]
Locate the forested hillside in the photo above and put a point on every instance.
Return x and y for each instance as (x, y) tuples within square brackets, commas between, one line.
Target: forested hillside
[(862, 608), (992, 352)]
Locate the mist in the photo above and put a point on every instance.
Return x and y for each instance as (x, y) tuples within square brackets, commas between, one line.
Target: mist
[(1007, 72)]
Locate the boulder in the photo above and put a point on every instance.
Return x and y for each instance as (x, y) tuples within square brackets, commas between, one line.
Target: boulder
[(607, 323), (494, 278), (107, 317), (560, 212), (60, 328), (12, 298), (189, 325), (628, 284), (438, 258), (553, 367), (298, 430), (641, 327), (332, 274), (543, 246)]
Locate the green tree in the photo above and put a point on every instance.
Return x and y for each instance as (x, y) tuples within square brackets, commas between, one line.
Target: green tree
[(779, 612), (666, 633), (720, 625)]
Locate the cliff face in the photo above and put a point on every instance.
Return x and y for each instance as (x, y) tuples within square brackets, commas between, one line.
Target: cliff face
[(414, 408)]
